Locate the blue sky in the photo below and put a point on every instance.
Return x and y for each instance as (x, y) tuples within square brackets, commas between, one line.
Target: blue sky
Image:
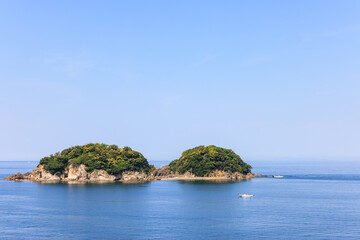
[(268, 79)]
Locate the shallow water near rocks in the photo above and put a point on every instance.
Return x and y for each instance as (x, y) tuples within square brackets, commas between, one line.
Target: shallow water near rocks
[(315, 200)]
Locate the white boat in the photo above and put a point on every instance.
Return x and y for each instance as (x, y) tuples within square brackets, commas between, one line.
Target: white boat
[(278, 176), (244, 195)]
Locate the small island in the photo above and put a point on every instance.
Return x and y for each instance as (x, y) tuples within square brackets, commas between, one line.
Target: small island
[(208, 163), (96, 162)]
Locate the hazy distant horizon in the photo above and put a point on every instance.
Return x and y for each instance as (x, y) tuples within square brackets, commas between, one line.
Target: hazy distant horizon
[(248, 160), (268, 79)]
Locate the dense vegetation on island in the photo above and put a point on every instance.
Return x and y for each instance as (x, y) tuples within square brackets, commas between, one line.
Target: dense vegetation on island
[(110, 158), (202, 160)]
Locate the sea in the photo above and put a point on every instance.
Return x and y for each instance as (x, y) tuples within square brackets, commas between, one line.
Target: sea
[(314, 200)]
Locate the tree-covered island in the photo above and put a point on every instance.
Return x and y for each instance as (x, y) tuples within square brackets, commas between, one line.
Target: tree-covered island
[(95, 156), (203, 161), (93, 162)]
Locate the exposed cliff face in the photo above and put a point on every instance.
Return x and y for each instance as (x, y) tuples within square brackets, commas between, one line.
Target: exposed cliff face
[(78, 173), (162, 172), (40, 174)]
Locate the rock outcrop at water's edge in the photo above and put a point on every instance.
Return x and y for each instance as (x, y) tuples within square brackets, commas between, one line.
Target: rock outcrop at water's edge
[(78, 173), (164, 173)]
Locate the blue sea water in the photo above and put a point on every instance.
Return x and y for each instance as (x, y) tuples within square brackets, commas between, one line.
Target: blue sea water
[(315, 200)]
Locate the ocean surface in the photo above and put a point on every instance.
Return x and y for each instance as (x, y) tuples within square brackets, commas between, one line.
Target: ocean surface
[(315, 200)]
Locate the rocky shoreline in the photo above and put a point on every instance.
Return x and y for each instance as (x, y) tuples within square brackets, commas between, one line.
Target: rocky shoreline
[(165, 174), (78, 174)]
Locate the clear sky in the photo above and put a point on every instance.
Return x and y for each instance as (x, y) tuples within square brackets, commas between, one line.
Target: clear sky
[(268, 79)]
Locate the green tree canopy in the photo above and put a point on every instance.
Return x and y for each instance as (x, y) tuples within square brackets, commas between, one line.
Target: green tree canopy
[(110, 158), (202, 160)]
